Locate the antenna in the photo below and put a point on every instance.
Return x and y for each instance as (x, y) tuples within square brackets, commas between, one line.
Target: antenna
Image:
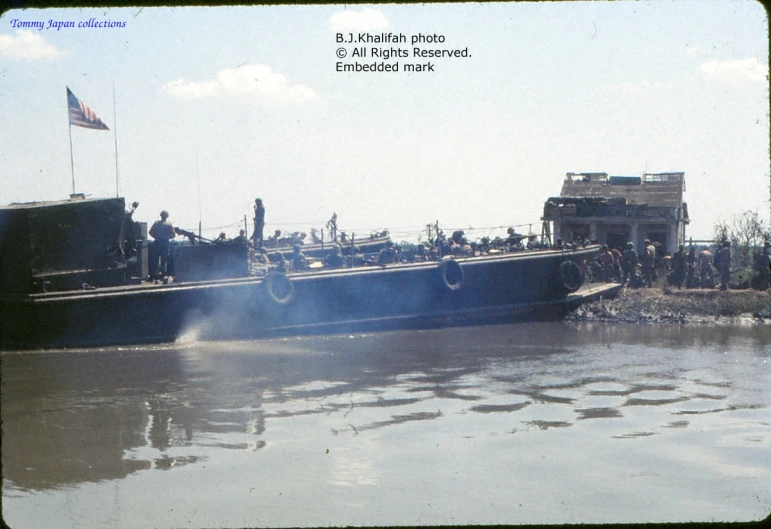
[(198, 175), (115, 119)]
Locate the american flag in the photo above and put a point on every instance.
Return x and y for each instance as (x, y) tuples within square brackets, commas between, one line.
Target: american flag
[(81, 115)]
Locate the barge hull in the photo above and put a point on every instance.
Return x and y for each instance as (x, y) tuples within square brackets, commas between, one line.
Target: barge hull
[(489, 289)]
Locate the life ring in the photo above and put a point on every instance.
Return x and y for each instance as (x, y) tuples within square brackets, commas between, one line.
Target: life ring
[(450, 275), (279, 289), (568, 277)]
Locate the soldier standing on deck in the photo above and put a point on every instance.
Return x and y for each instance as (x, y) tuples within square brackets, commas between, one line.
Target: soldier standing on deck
[(162, 231), (259, 222)]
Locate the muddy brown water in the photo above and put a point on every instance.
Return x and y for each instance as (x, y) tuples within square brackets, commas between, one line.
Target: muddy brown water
[(528, 423)]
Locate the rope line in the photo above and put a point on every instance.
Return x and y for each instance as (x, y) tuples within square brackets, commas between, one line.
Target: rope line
[(411, 231)]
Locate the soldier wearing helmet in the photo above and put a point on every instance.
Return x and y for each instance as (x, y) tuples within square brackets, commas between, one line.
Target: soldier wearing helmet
[(298, 258), (679, 267), (629, 260), (162, 231)]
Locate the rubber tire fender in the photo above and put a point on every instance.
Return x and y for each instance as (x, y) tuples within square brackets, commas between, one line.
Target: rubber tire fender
[(451, 275), (568, 277), (279, 290)]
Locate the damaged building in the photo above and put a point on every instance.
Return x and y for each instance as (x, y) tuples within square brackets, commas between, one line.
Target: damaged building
[(616, 209)]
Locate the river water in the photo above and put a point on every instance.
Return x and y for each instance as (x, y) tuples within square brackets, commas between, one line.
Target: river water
[(532, 423)]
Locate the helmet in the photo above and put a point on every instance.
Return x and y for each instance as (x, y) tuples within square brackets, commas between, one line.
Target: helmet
[(164, 214)]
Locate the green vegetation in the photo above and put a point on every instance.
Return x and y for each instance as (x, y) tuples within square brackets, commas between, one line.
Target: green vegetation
[(747, 233)]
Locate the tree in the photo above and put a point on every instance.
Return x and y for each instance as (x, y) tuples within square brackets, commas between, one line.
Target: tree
[(746, 231)]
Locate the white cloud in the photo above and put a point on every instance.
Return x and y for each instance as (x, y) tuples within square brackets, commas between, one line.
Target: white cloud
[(367, 19), (257, 81), (28, 46), (737, 70)]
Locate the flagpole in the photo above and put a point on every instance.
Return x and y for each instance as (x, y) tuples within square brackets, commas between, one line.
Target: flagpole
[(82, 116), (115, 119), (72, 163)]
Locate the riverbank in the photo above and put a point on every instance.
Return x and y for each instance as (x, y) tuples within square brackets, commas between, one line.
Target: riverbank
[(654, 305)]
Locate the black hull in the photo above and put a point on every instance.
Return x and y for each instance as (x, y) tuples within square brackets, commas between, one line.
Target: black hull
[(489, 289)]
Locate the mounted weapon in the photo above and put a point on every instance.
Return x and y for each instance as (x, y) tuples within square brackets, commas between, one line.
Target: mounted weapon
[(192, 237)]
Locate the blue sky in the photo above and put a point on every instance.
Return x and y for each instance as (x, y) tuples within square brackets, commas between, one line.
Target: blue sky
[(246, 101)]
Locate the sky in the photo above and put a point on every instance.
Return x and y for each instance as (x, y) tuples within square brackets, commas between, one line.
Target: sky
[(213, 107)]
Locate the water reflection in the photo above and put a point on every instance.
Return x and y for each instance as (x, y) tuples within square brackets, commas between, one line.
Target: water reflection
[(73, 417), (598, 413)]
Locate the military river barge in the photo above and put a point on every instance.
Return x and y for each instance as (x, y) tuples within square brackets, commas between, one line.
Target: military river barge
[(74, 275)]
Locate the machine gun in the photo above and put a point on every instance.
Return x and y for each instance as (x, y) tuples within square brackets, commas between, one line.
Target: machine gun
[(192, 237)]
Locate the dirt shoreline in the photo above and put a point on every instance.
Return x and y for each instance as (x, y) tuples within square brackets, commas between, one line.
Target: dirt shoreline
[(656, 305)]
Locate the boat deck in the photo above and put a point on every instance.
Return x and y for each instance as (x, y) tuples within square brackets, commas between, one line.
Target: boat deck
[(147, 287)]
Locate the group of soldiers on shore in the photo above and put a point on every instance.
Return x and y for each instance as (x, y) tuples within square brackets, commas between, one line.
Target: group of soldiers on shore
[(633, 268), (683, 269)]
